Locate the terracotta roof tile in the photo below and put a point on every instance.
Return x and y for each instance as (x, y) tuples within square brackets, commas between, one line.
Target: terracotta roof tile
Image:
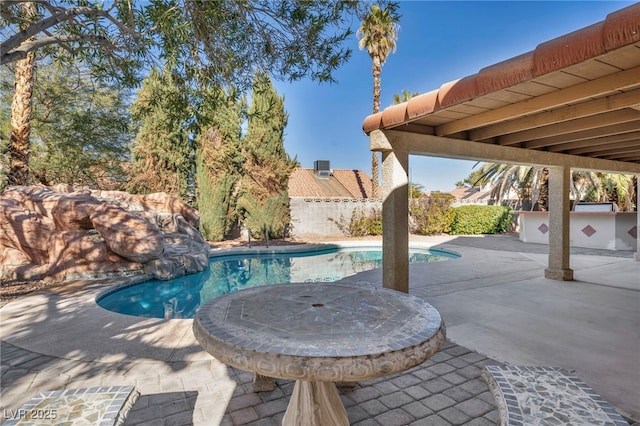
[(342, 183), (622, 26), (505, 74), (394, 115), (458, 91), (302, 184), (422, 104), (569, 49), (356, 181)]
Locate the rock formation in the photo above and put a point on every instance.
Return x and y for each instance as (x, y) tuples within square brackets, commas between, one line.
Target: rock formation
[(61, 233)]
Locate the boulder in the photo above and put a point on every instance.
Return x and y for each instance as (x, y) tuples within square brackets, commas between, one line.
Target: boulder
[(25, 230), (83, 254), (64, 233), (72, 212), (127, 234)]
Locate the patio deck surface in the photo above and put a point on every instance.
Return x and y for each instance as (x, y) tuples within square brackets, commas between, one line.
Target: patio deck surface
[(496, 303)]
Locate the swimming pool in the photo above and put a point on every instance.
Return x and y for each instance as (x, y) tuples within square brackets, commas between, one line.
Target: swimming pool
[(181, 297)]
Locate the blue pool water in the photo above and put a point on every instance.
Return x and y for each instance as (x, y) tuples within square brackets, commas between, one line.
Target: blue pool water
[(181, 297)]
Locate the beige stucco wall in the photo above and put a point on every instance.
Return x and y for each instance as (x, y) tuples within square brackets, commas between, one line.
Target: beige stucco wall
[(312, 217)]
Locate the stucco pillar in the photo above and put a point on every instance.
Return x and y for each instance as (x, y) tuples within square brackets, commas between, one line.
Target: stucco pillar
[(395, 220), (638, 218), (559, 209)]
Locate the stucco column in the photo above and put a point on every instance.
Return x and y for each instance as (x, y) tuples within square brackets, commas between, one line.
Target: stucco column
[(559, 231), (395, 220), (638, 218)]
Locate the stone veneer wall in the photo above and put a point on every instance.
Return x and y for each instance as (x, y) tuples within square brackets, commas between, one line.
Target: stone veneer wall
[(311, 217)]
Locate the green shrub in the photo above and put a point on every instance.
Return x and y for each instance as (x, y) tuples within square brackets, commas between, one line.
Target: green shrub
[(473, 220), (431, 214)]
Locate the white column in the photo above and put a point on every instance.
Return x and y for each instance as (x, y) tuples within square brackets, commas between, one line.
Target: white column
[(395, 220), (559, 231)]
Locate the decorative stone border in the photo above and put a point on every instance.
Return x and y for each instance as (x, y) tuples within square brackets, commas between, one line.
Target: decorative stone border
[(546, 396), (100, 406)]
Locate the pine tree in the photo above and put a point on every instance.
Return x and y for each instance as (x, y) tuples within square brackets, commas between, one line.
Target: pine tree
[(162, 151), (219, 162), (264, 201)]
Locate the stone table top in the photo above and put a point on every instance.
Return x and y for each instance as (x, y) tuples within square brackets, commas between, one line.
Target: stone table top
[(320, 331)]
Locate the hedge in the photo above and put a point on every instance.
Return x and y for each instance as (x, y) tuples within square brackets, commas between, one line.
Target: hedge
[(476, 219)]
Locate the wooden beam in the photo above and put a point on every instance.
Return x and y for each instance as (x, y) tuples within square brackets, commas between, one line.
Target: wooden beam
[(575, 140), (602, 120), (585, 109), (469, 150), (589, 89), (626, 140), (622, 157)]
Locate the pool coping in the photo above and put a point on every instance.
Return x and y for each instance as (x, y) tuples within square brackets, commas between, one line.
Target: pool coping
[(34, 321), (125, 282)]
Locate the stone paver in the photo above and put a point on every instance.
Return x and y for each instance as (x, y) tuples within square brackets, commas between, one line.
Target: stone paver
[(193, 395)]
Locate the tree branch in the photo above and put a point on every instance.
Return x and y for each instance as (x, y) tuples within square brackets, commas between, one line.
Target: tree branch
[(25, 48), (17, 46)]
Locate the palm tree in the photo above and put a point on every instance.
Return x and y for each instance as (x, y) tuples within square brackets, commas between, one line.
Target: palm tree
[(378, 33), (406, 95), (21, 108), (606, 187), (529, 183)]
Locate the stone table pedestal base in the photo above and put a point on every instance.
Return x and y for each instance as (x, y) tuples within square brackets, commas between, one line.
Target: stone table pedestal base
[(315, 404)]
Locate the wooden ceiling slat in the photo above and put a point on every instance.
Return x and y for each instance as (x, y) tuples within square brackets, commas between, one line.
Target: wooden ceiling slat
[(626, 140), (586, 90), (577, 139), (605, 119), (591, 69), (560, 79), (614, 151), (630, 158), (609, 103)]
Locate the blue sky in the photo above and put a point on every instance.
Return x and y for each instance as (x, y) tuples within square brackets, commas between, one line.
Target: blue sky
[(438, 41)]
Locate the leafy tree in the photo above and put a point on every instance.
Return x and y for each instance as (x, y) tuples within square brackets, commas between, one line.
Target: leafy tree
[(416, 190), (378, 33), (219, 161), (264, 202), (209, 41), (162, 152), (81, 129)]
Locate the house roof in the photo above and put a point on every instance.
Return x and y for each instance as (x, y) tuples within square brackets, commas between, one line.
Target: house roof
[(578, 94), (474, 193), (342, 183)]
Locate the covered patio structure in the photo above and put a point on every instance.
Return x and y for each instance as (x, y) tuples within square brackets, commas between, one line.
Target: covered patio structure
[(571, 103)]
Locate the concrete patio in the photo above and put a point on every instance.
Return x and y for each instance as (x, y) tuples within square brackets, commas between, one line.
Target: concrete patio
[(496, 303)]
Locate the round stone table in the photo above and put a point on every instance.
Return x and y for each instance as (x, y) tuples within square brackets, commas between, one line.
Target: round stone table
[(318, 334)]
